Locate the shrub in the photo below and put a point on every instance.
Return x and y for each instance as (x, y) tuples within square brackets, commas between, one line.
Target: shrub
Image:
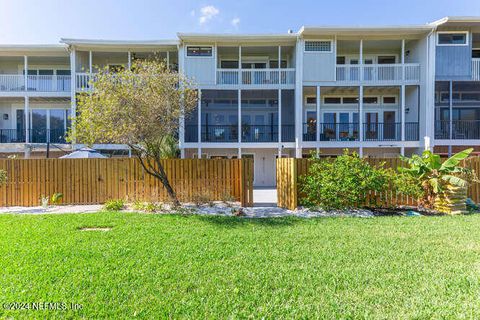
[(3, 177), (56, 198), (114, 205), (342, 182), (146, 206), (202, 197)]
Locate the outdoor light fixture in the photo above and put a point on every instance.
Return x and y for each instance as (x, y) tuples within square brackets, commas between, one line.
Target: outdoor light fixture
[(5, 116)]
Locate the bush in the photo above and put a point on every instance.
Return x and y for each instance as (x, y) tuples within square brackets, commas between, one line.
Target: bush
[(114, 205), (3, 177), (146, 206), (342, 182)]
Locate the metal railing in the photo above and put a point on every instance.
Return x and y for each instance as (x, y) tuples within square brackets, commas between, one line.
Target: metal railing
[(256, 77), (350, 131), (222, 133), (378, 73), (476, 69), (39, 83), (461, 129), (34, 135)]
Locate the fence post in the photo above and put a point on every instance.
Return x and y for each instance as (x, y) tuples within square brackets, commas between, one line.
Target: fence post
[(293, 173)]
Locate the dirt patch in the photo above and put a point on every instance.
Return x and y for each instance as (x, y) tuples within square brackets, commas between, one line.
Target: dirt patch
[(103, 229)]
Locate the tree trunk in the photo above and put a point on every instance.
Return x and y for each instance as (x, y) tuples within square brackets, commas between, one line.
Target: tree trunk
[(161, 175)]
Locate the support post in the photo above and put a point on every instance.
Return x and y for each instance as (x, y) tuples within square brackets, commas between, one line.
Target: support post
[(129, 60), (199, 127), (279, 116), (168, 60), (27, 119), (402, 94), (298, 97), (239, 116), (90, 62), (318, 100), (25, 75), (73, 89), (239, 65), (450, 117), (360, 119), (403, 59), (360, 61)]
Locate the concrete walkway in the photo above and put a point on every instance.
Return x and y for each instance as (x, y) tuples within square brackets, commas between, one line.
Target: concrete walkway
[(264, 197)]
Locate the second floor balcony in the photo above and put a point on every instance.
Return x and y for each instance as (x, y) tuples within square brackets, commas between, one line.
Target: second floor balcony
[(378, 73), (373, 131), (457, 130), (249, 133), (34, 83), (261, 78)]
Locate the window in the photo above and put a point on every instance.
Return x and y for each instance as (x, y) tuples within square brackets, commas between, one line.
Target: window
[(389, 100), (318, 46), (199, 51), (332, 100), (476, 53), (371, 100), (311, 100), (340, 60), (452, 39), (386, 59), (229, 64), (350, 100), (274, 64)]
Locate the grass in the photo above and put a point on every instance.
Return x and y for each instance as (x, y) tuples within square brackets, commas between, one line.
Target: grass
[(157, 266)]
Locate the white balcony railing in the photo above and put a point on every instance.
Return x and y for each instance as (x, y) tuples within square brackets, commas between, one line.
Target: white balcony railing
[(476, 69), (38, 83), (83, 81), (256, 77), (378, 73)]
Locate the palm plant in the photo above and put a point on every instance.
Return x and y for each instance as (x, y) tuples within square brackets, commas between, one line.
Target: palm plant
[(435, 176)]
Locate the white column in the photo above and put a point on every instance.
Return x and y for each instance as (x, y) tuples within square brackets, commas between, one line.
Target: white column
[(402, 97), (279, 115), (360, 62), (298, 98), (239, 138), (73, 87), (239, 65), (27, 119), (318, 100), (450, 118), (403, 59), (168, 59), (402, 150), (239, 153), (25, 68), (129, 60), (90, 62), (360, 119), (199, 120), (182, 117)]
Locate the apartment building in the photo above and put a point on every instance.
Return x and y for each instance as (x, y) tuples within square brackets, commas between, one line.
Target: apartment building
[(381, 91)]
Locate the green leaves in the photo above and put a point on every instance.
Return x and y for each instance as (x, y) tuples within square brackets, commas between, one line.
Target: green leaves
[(454, 160)]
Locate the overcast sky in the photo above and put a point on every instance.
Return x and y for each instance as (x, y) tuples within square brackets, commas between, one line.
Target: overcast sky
[(46, 21)]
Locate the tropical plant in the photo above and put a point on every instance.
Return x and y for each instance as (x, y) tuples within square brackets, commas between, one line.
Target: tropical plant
[(139, 107), (114, 205), (56, 198), (341, 183), (435, 176)]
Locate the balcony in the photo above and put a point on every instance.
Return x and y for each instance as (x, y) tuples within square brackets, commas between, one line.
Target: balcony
[(476, 69), (35, 83), (83, 81), (34, 135), (461, 130), (229, 133), (256, 78), (371, 132), (378, 73)]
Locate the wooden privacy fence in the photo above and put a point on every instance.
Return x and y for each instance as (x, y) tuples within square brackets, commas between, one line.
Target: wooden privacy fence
[(94, 181), (290, 169)]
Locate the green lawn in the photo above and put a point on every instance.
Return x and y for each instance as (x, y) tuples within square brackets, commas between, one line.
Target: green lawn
[(156, 266)]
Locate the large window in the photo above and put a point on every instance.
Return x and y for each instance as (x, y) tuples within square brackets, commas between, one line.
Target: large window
[(318, 46), (199, 51), (452, 38)]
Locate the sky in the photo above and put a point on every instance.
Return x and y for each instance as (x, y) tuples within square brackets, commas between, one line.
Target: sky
[(46, 21)]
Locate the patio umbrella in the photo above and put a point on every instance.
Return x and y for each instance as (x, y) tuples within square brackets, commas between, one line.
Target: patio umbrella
[(83, 153)]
